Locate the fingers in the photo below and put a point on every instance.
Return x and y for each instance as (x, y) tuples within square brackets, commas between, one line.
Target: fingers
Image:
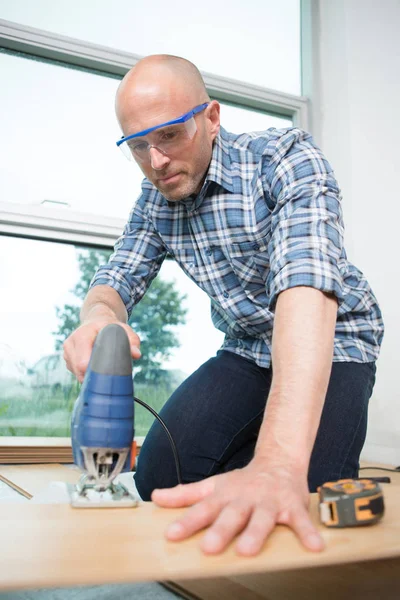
[(229, 523), (199, 516), (196, 518), (256, 523), (261, 524), (183, 495), (78, 347), (308, 535), (77, 351)]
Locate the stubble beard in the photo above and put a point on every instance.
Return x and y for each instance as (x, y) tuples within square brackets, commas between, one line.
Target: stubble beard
[(184, 190)]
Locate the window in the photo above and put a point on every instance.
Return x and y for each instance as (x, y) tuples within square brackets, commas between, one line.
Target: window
[(40, 307), (61, 132), (238, 119), (257, 42)]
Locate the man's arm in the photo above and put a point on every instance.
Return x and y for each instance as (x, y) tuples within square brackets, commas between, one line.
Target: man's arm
[(273, 487), (103, 301), (302, 352), (102, 306)]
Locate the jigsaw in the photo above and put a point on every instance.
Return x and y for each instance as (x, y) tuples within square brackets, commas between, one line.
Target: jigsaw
[(102, 426)]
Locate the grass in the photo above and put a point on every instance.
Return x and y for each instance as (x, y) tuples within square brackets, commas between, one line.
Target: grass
[(45, 412)]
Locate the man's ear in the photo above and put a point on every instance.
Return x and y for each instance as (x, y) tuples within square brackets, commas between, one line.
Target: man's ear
[(213, 118)]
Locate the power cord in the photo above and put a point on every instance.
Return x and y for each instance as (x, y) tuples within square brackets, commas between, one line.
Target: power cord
[(173, 446), (395, 470)]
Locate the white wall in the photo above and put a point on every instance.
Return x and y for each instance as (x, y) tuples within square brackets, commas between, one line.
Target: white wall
[(356, 122)]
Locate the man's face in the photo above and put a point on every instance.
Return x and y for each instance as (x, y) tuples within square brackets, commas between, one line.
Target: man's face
[(180, 172)]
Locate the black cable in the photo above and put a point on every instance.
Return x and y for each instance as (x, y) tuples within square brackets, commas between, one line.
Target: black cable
[(396, 470), (174, 450), (377, 479)]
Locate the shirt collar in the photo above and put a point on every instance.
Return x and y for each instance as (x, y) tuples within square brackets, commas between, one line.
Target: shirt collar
[(219, 170)]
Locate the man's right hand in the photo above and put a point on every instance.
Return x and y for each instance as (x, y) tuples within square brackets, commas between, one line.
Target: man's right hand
[(78, 346)]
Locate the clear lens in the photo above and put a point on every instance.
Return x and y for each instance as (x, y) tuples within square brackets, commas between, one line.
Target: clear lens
[(168, 140)]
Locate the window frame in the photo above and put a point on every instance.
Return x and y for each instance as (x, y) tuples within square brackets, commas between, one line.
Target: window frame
[(61, 225), (69, 226)]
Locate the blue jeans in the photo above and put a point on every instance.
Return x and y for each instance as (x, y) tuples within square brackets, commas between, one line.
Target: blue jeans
[(215, 416)]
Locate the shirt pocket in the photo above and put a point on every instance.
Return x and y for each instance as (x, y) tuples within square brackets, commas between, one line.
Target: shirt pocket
[(250, 262)]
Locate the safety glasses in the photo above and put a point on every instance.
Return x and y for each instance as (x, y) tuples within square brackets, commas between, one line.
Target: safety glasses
[(167, 137)]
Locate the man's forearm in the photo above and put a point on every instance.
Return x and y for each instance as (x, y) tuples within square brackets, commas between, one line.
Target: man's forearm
[(302, 350), (103, 302)]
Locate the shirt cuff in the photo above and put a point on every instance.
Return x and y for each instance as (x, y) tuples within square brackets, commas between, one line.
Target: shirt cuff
[(316, 272)]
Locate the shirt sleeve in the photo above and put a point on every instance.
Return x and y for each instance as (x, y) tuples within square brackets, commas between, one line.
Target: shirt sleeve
[(306, 243), (136, 260)]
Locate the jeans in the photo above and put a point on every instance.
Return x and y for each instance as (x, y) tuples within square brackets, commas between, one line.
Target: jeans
[(215, 415)]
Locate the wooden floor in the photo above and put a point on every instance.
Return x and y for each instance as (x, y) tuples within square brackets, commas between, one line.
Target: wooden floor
[(55, 545)]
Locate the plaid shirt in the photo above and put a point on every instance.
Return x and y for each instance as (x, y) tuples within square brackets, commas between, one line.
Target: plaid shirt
[(267, 218)]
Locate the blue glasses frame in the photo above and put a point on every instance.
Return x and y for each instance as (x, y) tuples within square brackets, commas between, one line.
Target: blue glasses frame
[(181, 119)]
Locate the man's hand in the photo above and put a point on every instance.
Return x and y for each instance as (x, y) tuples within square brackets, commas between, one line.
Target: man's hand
[(78, 346), (248, 501)]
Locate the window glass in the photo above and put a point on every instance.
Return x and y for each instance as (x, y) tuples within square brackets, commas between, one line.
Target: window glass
[(257, 41), (60, 134), (240, 120), (42, 287)]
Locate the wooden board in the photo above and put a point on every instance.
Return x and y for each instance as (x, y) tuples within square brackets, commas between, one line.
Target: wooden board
[(368, 579), (18, 450), (56, 545)]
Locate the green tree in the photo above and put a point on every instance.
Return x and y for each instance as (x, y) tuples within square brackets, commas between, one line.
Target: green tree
[(152, 318)]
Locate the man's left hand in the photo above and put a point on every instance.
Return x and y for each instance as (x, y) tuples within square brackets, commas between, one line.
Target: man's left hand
[(248, 501)]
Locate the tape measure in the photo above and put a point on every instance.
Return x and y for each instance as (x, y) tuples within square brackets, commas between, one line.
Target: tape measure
[(350, 502)]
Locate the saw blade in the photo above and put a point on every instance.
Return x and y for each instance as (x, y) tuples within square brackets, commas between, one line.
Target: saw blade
[(117, 497)]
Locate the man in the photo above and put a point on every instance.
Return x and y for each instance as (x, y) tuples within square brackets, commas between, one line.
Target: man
[(255, 221)]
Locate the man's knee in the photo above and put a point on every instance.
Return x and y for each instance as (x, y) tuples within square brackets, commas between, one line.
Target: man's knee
[(143, 485), (155, 468)]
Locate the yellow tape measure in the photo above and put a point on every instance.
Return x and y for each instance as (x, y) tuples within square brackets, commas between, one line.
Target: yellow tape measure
[(350, 502)]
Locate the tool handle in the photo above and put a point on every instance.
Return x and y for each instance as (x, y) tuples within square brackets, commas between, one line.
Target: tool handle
[(103, 415)]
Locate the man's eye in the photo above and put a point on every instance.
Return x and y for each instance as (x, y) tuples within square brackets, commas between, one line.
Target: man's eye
[(168, 135), (138, 147)]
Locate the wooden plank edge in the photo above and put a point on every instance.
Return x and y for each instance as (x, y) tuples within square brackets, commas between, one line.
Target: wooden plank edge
[(25, 450), (177, 588)]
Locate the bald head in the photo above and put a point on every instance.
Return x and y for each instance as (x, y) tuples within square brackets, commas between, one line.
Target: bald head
[(158, 87)]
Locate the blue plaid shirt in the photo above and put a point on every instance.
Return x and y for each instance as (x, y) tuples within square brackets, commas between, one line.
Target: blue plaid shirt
[(267, 218)]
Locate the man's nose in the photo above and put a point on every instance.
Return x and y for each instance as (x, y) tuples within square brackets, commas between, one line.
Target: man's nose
[(158, 160)]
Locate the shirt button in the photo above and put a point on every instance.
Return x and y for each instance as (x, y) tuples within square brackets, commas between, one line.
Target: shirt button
[(209, 251), (256, 246), (226, 295)]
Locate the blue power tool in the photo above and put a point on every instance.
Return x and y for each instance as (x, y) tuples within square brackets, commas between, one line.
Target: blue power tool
[(102, 427)]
